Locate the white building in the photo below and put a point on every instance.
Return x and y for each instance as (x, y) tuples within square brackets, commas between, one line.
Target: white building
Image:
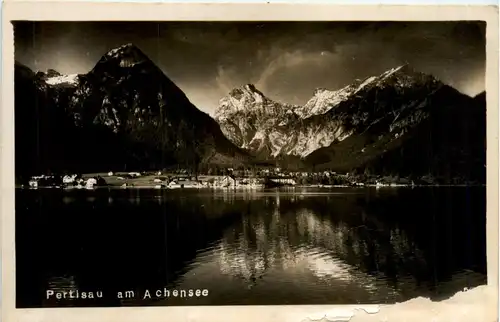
[(225, 182), (33, 184), (184, 184), (289, 181), (90, 183), (69, 179)]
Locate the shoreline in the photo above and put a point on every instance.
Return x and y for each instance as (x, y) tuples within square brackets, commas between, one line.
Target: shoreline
[(152, 187), (169, 181)]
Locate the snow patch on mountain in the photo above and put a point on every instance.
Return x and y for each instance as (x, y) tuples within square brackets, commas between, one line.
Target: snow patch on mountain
[(365, 83), (63, 79), (125, 56), (324, 100), (118, 49), (126, 50), (392, 71)]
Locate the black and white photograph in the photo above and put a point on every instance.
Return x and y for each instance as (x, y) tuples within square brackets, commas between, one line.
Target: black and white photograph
[(221, 163)]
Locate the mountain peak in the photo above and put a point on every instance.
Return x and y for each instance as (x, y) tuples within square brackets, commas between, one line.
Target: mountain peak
[(123, 50), (247, 91), (126, 55), (480, 97), (52, 73), (404, 69), (249, 100), (483, 93), (405, 76), (23, 70), (250, 87), (320, 90)]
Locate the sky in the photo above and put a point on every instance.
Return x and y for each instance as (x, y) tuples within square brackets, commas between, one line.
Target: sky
[(286, 61)]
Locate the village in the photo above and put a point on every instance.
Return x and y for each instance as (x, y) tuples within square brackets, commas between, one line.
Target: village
[(230, 179)]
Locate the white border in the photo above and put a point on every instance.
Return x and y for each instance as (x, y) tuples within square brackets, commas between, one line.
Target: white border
[(462, 308)]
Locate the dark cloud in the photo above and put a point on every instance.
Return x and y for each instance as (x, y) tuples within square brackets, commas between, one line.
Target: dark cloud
[(286, 60)]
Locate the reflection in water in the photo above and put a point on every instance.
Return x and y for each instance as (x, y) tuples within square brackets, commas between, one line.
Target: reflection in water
[(272, 247), (301, 243)]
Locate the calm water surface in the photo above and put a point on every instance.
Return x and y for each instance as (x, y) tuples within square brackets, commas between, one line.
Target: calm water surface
[(302, 246)]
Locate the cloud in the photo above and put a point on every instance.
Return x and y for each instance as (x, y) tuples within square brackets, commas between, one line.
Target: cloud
[(286, 60), (224, 80), (291, 60)]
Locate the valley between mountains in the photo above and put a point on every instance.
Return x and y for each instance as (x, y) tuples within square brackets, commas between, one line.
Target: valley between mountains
[(126, 115)]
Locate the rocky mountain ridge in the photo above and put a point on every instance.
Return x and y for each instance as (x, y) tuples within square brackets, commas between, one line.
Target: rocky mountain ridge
[(246, 117), (123, 114), (383, 123), (254, 122)]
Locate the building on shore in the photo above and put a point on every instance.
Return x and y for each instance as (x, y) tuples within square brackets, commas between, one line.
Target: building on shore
[(228, 181), (284, 181), (184, 183)]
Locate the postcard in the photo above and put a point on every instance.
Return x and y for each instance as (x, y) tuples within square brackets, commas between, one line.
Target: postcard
[(249, 162)]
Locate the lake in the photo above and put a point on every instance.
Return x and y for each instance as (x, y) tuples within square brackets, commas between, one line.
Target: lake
[(282, 246)]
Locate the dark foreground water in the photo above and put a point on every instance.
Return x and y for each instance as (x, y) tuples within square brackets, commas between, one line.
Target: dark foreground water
[(302, 246)]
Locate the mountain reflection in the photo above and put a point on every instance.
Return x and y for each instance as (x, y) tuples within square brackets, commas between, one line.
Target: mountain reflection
[(287, 236), (257, 247)]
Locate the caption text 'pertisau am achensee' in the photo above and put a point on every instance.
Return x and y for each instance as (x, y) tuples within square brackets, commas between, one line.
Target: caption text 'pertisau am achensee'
[(146, 294)]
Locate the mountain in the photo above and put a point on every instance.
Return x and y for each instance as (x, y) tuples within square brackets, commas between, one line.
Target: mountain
[(123, 114), (254, 122), (400, 122), (447, 142), (270, 129)]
